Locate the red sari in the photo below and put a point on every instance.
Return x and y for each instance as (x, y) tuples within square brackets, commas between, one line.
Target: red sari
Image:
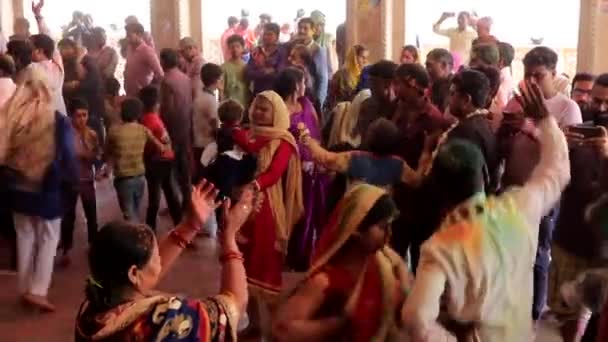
[(257, 239), (375, 297)]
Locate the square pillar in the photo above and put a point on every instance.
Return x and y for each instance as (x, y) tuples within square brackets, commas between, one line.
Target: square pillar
[(593, 30), (176, 19), (398, 32), (377, 24), (165, 23), (9, 10)]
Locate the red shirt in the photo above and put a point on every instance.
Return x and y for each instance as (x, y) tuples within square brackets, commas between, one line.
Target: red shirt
[(154, 123)]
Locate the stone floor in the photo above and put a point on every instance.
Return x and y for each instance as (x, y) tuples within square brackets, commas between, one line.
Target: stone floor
[(196, 273)]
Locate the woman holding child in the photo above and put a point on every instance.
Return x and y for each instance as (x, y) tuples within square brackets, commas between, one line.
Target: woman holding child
[(264, 237)]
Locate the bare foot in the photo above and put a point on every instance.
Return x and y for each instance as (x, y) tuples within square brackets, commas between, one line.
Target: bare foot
[(39, 302)]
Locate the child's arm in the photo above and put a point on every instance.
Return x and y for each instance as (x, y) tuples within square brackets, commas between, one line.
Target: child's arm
[(151, 138)]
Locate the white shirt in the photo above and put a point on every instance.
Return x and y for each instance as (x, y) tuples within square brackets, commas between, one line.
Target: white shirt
[(561, 107), (565, 110), (7, 88), (204, 119), (482, 262), (460, 41), (54, 75)]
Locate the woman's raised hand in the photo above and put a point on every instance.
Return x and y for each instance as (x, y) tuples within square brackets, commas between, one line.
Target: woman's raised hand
[(37, 8), (204, 202), (235, 215)]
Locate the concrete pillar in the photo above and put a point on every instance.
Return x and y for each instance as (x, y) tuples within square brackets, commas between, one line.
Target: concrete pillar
[(377, 24), (172, 20), (165, 23), (9, 10), (593, 30), (398, 31), (196, 21)]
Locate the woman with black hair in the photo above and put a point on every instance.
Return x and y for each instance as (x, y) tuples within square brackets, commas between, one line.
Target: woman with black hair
[(301, 58), (127, 262), (290, 85), (356, 283)]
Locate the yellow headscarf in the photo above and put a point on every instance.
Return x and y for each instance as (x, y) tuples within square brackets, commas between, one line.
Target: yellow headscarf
[(392, 270), (352, 67), (27, 123), (344, 222), (287, 206)]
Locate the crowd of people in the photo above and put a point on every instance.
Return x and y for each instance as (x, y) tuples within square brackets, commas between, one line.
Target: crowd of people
[(414, 197)]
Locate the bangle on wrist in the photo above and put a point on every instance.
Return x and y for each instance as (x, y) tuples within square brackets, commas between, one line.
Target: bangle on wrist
[(178, 239), (189, 224), (231, 255), (256, 185)]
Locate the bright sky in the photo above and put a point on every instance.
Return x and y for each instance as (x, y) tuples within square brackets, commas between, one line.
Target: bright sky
[(515, 20)]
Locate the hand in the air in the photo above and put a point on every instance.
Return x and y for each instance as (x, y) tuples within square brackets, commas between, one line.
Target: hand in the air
[(37, 8), (203, 202), (235, 215), (532, 101)]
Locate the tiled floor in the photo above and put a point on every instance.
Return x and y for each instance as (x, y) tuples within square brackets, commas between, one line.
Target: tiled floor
[(196, 273)]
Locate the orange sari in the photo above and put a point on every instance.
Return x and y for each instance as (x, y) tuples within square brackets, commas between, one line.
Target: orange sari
[(374, 300)]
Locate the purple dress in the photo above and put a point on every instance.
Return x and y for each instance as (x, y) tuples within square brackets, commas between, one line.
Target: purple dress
[(314, 187)]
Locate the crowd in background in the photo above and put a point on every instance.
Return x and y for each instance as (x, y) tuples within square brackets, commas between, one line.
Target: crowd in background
[(415, 197)]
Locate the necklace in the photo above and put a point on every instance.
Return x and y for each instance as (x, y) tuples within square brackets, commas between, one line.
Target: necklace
[(444, 136)]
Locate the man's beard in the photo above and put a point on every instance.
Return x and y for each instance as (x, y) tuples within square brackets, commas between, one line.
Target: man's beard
[(598, 118), (601, 119), (584, 106)]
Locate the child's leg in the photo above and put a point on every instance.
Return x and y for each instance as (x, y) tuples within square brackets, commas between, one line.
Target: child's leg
[(89, 205), (67, 223), (139, 183), (124, 192)]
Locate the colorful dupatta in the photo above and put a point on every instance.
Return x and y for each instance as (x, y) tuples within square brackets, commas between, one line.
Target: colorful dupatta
[(162, 319), (382, 287), (27, 123)]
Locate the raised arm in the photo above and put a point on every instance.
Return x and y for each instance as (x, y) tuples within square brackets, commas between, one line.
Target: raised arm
[(338, 162), (233, 281), (437, 26), (540, 193), (44, 29)]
